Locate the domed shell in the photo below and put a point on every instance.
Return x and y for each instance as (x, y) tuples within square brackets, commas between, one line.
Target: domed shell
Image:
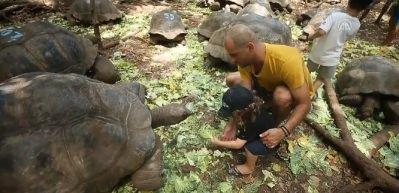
[(258, 9), (241, 3), (42, 46), (214, 22), (372, 74), (168, 24), (69, 133), (105, 11)]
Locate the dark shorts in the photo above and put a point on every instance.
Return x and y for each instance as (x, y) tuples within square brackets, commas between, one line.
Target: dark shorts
[(323, 72), (258, 148)]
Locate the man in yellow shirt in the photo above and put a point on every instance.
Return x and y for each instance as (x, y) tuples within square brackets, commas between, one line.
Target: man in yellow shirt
[(280, 70)]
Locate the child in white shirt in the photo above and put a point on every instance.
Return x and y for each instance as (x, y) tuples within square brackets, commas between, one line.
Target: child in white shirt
[(330, 38)]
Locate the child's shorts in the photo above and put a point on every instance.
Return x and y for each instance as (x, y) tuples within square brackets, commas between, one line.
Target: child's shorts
[(258, 148), (325, 72)]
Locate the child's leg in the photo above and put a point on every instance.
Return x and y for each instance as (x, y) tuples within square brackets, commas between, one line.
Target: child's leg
[(314, 67), (393, 26), (249, 166), (326, 73), (252, 150)]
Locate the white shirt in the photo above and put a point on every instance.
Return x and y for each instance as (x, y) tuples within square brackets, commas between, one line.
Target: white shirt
[(339, 27)]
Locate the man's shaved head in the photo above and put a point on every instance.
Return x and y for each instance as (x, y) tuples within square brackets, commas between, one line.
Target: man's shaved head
[(240, 35)]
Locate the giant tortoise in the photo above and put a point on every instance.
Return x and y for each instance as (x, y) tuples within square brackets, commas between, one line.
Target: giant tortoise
[(229, 5), (214, 22), (80, 10), (311, 19), (268, 30), (369, 82), (42, 46), (68, 133), (167, 26), (257, 8)]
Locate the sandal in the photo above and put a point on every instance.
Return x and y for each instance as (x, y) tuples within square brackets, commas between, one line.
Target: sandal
[(232, 170)]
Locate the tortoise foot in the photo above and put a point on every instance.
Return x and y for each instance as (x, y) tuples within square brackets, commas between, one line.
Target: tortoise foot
[(148, 177), (391, 112)]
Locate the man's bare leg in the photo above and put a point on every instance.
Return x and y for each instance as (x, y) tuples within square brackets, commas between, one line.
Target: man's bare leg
[(282, 103)]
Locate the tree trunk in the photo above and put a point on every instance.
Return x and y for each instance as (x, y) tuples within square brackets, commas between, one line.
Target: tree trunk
[(96, 25)]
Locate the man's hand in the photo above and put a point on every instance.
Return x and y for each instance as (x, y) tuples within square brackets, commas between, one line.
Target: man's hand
[(230, 131), (272, 137)]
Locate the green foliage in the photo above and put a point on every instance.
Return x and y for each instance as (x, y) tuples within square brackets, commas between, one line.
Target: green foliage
[(269, 178), (252, 187), (390, 154), (307, 157)]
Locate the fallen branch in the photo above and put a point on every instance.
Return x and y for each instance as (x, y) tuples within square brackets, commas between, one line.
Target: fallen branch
[(380, 138), (375, 176), (338, 113)]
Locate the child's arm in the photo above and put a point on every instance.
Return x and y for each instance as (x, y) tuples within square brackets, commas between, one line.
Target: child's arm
[(236, 144), (320, 32)]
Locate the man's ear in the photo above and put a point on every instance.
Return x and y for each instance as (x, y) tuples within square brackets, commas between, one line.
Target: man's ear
[(251, 46)]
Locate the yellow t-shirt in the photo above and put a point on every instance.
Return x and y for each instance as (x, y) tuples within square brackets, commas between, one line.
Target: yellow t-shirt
[(283, 66)]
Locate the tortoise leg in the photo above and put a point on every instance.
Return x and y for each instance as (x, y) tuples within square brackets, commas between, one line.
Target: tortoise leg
[(351, 100), (105, 71), (391, 111), (148, 177), (370, 103), (214, 5)]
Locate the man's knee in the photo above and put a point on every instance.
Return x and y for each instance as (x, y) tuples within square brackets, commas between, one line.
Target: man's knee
[(282, 97), (233, 78)]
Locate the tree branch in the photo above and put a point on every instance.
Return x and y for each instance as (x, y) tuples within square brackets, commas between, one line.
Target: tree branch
[(380, 138), (358, 187), (324, 133)]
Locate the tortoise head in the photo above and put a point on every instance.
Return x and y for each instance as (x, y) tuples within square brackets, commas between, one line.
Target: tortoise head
[(104, 70)]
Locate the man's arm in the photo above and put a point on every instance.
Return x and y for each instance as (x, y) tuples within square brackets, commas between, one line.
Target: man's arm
[(302, 106), (272, 137), (236, 144)]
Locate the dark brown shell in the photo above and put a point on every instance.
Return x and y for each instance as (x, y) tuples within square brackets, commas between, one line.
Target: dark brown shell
[(68, 133), (167, 24), (42, 46), (214, 22), (268, 30), (106, 11), (240, 3), (372, 74), (258, 9)]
